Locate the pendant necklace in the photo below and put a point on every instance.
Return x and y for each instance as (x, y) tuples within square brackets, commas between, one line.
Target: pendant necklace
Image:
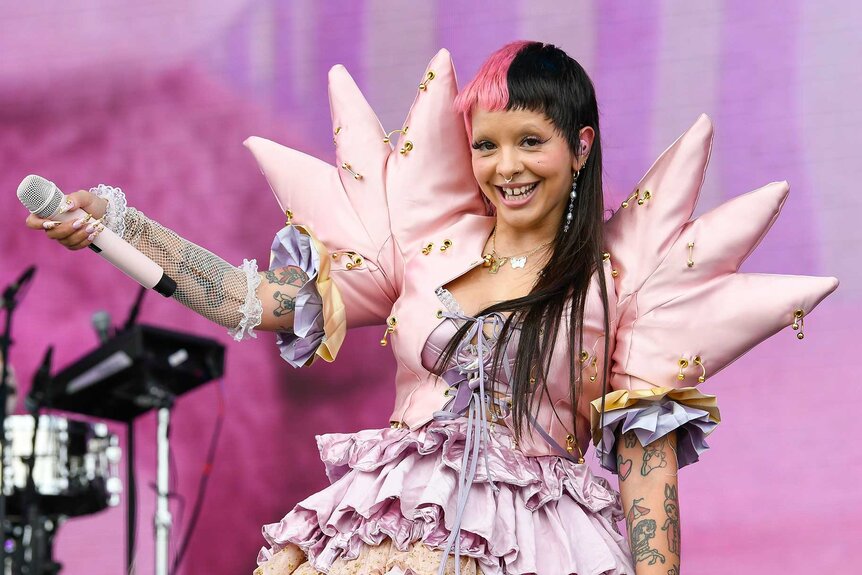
[(493, 261)]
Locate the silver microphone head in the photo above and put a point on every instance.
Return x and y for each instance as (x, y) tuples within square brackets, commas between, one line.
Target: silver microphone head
[(40, 196)]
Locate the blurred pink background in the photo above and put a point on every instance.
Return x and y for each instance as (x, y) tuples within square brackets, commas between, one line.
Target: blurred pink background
[(156, 97)]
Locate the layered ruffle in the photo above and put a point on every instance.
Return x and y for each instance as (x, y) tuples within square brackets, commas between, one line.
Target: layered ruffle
[(401, 485), (651, 414), (319, 322)]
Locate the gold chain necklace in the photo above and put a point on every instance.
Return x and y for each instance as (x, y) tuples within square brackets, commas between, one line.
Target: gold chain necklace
[(493, 261)]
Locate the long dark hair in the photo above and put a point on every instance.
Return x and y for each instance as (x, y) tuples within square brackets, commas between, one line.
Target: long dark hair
[(542, 78)]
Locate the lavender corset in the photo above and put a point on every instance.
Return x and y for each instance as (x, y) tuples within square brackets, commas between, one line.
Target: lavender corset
[(468, 377)]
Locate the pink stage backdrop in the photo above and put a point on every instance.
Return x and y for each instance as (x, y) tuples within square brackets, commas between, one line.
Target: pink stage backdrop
[(156, 97)]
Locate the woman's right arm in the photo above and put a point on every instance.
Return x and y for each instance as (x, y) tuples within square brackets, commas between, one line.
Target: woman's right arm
[(238, 298)]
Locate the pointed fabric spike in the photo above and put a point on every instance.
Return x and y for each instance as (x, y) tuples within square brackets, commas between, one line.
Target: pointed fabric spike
[(718, 322), (311, 189), (432, 184), (359, 143), (638, 237), (722, 239)]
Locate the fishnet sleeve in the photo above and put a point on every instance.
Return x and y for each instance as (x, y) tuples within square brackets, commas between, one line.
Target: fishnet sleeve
[(206, 284)]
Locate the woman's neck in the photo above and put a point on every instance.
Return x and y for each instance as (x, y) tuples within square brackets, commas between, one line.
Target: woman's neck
[(512, 241)]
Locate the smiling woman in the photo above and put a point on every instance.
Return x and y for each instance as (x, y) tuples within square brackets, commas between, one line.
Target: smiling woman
[(521, 322)]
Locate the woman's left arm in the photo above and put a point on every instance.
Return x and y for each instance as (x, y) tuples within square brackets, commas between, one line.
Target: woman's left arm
[(648, 486)]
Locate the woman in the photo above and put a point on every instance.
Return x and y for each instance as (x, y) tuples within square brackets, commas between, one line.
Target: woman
[(510, 307)]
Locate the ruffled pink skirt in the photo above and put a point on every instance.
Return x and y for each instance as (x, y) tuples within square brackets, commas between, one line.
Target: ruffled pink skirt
[(399, 487)]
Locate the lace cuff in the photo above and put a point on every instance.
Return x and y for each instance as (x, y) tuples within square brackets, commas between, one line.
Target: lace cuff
[(318, 316), (651, 414), (115, 216), (252, 308)]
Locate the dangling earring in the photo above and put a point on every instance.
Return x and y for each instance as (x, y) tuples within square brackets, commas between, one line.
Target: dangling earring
[(572, 195)]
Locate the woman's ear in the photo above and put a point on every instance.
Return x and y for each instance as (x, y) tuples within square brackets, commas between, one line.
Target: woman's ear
[(585, 144)]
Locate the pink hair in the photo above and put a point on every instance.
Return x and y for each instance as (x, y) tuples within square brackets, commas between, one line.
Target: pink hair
[(489, 89)]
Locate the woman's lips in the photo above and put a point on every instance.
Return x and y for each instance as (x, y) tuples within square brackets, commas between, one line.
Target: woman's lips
[(517, 201)]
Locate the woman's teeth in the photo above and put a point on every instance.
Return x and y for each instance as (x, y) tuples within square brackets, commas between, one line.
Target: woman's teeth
[(519, 193)]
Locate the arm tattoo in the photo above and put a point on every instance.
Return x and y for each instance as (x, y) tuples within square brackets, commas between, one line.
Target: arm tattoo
[(654, 456), (630, 438), (286, 276), (641, 533), (289, 275), (671, 524), (286, 304), (624, 467)]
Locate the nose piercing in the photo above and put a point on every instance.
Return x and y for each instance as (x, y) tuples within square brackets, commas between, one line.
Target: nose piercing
[(509, 180)]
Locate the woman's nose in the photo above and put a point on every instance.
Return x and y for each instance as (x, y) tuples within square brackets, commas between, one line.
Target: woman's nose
[(509, 165)]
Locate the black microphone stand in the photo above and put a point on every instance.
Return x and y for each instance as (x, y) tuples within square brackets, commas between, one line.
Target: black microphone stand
[(5, 344), (9, 303)]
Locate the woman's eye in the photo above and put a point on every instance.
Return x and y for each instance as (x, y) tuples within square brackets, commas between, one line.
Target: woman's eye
[(483, 146), (531, 141)]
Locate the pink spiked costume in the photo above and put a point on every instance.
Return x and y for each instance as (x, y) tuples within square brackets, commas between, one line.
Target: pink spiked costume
[(379, 236), (383, 232)]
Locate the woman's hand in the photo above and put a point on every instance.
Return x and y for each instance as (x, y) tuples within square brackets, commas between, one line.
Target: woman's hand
[(77, 234)]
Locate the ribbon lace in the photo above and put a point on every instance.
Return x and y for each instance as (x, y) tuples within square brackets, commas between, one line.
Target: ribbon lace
[(471, 398)]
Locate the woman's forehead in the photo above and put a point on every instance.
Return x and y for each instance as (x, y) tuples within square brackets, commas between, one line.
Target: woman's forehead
[(497, 120)]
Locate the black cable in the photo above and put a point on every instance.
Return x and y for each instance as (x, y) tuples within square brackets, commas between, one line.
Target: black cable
[(204, 480)]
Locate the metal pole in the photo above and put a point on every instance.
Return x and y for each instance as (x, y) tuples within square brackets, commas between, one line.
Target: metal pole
[(163, 513)]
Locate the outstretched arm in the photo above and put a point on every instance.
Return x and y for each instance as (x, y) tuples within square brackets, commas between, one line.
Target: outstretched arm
[(234, 297), (648, 485)]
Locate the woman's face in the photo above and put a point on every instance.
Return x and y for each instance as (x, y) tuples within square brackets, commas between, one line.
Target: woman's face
[(524, 147)]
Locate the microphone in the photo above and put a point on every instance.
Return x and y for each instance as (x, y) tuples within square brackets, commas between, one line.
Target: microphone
[(101, 321), (11, 291), (39, 395), (44, 199)]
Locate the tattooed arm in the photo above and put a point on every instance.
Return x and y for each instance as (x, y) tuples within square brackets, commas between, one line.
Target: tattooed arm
[(648, 485), (277, 293)]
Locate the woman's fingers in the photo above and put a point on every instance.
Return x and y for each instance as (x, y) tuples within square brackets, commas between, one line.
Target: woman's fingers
[(74, 235)]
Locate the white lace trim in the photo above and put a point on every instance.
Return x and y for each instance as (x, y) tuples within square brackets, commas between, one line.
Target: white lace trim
[(252, 308), (115, 218)]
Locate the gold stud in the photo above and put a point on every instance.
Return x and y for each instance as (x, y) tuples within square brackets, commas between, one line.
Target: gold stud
[(349, 168), (334, 134), (647, 195), (614, 273), (594, 365), (634, 196), (408, 145), (427, 249), (606, 256), (699, 361), (289, 215), (446, 245), (690, 262), (439, 314), (683, 363), (798, 323), (584, 356), (428, 77), (391, 324)]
